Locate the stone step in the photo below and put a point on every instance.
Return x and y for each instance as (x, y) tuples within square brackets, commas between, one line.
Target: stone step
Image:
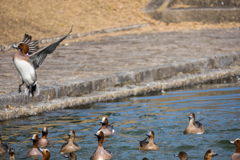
[(205, 15), (207, 3)]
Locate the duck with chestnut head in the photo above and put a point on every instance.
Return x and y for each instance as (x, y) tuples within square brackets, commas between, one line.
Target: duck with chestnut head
[(101, 153)]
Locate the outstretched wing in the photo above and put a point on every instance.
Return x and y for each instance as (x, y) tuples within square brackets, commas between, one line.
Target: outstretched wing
[(33, 45), (38, 57)]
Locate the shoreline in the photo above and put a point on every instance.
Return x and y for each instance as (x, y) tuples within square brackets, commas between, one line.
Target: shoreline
[(120, 85)]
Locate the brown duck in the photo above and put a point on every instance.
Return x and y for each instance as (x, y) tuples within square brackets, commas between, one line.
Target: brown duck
[(35, 150), (11, 154), (182, 155), (194, 127), (70, 146), (144, 145), (210, 154), (101, 153), (43, 141), (236, 155), (46, 154), (106, 128)]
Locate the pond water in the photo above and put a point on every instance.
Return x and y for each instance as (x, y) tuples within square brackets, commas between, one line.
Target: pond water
[(164, 113)]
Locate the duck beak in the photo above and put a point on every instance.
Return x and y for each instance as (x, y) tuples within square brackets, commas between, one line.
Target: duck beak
[(69, 134), (16, 47), (148, 135), (215, 154), (175, 155), (96, 134), (65, 156), (33, 138), (40, 149), (231, 142)]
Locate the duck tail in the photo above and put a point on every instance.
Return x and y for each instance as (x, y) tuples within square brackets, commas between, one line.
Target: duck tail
[(35, 90)]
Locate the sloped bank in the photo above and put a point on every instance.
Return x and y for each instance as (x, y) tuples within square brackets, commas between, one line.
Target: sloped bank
[(119, 85)]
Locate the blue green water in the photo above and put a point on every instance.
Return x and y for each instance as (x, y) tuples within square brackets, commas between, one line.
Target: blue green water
[(166, 114)]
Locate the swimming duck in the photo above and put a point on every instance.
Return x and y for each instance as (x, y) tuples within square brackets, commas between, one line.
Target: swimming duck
[(194, 127), (144, 145), (43, 141), (70, 146), (35, 150), (11, 154), (46, 154), (71, 156), (182, 155), (101, 153), (209, 154), (106, 129), (236, 155), (3, 147), (28, 58)]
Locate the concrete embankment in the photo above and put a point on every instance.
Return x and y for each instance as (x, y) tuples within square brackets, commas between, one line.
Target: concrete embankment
[(122, 66)]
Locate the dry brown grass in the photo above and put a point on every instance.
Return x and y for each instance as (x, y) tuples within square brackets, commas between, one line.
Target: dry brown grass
[(51, 18), (43, 19)]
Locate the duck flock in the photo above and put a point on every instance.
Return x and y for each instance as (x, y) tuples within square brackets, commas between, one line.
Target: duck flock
[(27, 59), (68, 149)]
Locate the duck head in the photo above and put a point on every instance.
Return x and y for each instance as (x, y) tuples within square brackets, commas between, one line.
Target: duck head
[(23, 47)]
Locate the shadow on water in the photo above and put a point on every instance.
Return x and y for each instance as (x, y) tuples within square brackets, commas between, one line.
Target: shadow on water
[(164, 113)]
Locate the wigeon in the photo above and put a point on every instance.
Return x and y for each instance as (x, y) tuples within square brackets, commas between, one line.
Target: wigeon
[(209, 154), (71, 156), (43, 141), (144, 145), (28, 58), (11, 154), (101, 153), (106, 128), (182, 155), (70, 146), (46, 154), (194, 127), (3, 147), (35, 150), (236, 155)]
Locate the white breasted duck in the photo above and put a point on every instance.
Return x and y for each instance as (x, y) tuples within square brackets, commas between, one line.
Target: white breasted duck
[(70, 146), (194, 127), (101, 153), (28, 58), (144, 145)]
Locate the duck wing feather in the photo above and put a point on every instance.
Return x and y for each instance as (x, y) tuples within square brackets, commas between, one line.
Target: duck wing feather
[(143, 142), (38, 57), (198, 124)]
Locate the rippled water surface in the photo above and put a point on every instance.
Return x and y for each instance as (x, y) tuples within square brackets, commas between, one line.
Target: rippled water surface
[(164, 113)]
